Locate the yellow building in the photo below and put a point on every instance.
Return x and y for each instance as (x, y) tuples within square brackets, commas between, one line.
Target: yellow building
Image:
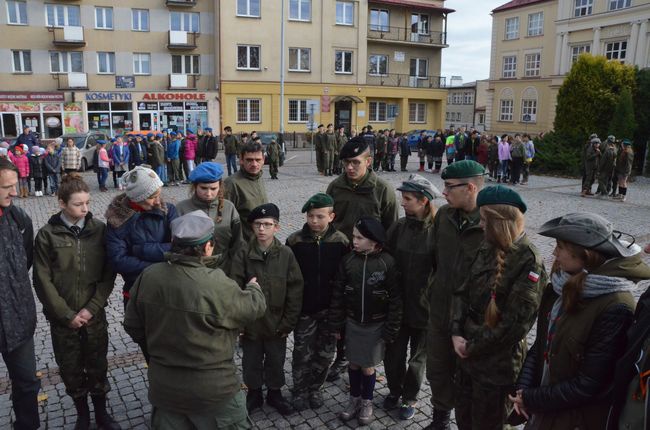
[(534, 43), (353, 62)]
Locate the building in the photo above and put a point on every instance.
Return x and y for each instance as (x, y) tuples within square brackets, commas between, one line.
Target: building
[(534, 43), (466, 105), (112, 66), (348, 62)]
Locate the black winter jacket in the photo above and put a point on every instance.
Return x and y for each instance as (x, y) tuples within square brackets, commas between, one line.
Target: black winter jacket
[(438, 147)]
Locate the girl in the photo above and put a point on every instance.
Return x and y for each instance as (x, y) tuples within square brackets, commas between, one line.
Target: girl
[(37, 170), (103, 163), (493, 310), (504, 158), (584, 315), (366, 301), (70, 157), (624, 168), (22, 163), (73, 280)]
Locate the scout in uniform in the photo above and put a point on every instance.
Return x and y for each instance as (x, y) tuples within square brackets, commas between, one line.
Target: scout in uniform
[(319, 138), (606, 166), (624, 162), (264, 342), (328, 150), (318, 248), (188, 316), (273, 152), (592, 156), (341, 140)]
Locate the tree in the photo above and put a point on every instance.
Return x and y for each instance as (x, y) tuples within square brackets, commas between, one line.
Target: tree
[(642, 114), (623, 124)]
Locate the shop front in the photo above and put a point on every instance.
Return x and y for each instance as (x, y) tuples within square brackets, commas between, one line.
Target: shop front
[(173, 111)]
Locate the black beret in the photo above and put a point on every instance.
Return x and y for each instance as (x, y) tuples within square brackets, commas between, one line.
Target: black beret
[(500, 195), (267, 210), (371, 228), (353, 147)]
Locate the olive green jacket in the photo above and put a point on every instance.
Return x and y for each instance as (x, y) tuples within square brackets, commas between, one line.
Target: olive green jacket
[(188, 316), (340, 141), (607, 161), (319, 141), (246, 192), (624, 163), (279, 275), (231, 145), (71, 273), (591, 158), (329, 142), (273, 151)]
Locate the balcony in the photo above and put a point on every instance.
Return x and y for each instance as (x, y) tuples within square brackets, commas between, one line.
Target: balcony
[(72, 81), (406, 36), (181, 40), (180, 3), (399, 80), (182, 81), (68, 36)]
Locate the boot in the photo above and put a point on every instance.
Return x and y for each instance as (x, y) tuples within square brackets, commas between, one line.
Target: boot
[(337, 368), (102, 417), (439, 420), (83, 412), (421, 169), (351, 410), (275, 400), (254, 399), (365, 412)]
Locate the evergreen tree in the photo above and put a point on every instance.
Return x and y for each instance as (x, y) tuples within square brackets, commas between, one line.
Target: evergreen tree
[(623, 124)]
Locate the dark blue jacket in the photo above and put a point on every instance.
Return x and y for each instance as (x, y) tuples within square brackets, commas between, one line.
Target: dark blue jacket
[(134, 154), (53, 163), (27, 139), (120, 156)]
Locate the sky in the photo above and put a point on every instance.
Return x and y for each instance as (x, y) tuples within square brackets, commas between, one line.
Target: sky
[(469, 33)]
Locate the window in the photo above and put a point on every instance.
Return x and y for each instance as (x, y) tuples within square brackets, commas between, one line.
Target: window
[(300, 10), (106, 62), (378, 65), (141, 64), (468, 98), (344, 13), (248, 57), (104, 18), (529, 110), (506, 110), (512, 28), (377, 112), (447, 116), (249, 8), (58, 15), (418, 67), (419, 23), (536, 24), (616, 51), (185, 64), (64, 62), (509, 66), (343, 62), (532, 64), (140, 19), (17, 12), (299, 59), (458, 98), (481, 118), (417, 112), (248, 110), (619, 4), (379, 20), (583, 7), (22, 61), (577, 50), (184, 21), (298, 111)]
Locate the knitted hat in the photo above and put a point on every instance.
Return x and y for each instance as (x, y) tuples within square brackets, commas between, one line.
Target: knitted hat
[(141, 183)]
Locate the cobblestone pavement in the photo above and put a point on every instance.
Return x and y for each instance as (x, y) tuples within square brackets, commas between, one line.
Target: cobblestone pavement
[(547, 197)]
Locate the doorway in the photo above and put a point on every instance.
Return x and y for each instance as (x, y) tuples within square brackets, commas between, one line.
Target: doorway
[(148, 121), (343, 115), (9, 126)]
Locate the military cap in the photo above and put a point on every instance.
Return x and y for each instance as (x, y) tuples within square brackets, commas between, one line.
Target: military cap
[(267, 210), (462, 169), (194, 228), (419, 184), (500, 195), (627, 142), (371, 228), (113, 140), (227, 128), (317, 201), (611, 138), (353, 147), (595, 140), (320, 126), (593, 135), (206, 172)]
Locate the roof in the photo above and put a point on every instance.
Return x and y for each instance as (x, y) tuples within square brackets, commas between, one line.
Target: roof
[(517, 3), (414, 4)]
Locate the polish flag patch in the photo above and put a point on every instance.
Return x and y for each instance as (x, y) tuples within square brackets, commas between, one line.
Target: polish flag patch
[(534, 277)]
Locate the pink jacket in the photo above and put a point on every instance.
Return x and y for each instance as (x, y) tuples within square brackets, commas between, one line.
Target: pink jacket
[(504, 151), (22, 162), (190, 147)]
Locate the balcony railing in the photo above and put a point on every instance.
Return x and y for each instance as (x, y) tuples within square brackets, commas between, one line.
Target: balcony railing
[(181, 40), (182, 81), (181, 3), (400, 80), (68, 36), (72, 81), (406, 35)]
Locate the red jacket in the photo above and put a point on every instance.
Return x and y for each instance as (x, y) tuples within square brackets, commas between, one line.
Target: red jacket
[(22, 163), (191, 144)]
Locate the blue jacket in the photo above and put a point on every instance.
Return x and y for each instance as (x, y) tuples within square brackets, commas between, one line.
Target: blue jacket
[(137, 153), (173, 149), (135, 240), (120, 156)]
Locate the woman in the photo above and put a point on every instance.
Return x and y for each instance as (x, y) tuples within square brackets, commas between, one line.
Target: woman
[(624, 168), (504, 159), (584, 315), (103, 163), (493, 310), (70, 157), (207, 194)]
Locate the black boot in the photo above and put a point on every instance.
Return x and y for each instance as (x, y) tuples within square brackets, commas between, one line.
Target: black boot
[(339, 366), (275, 400), (102, 417), (83, 413), (254, 399), (439, 420)]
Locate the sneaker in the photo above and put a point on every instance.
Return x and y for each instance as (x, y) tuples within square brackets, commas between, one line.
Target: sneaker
[(316, 400), (406, 412), (351, 410), (365, 412), (390, 402), (300, 403)]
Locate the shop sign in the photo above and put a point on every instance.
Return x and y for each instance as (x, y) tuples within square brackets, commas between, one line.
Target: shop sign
[(174, 96), (31, 97), (147, 106), (196, 106), (108, 96), (52, 121), (124, 81), (171, 106)]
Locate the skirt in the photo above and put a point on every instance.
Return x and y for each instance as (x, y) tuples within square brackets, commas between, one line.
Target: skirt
[(363, 343)]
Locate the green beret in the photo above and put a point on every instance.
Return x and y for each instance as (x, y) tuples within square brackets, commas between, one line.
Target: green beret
[(317, 201), (500, 195), (462, 169)]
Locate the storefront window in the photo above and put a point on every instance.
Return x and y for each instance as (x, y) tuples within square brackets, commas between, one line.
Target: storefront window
[(46, 119), (173, 115), (113, 119), (196, 115)]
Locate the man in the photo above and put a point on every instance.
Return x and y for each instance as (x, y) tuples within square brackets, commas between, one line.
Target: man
[(471, 146), (188, 317), (17, 306), (230, 146), (137, 151), (328, 150), (341, 140), (245, 189), (27, 138), (459, 141), (458, 234), (592, 158), (319, 143), (211, 147), (371, 141)]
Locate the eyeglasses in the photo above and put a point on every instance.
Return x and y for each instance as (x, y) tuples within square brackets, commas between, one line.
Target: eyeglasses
[(450, 186), (353, 162), (264, 225)]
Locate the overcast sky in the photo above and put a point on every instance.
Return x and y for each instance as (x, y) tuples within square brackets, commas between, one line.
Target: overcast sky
[(469, 32)]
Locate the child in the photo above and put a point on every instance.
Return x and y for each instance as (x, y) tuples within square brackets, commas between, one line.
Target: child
[(22, 163), (264, 342), (73, 280), (319, 248), (70, 157), (53, 167), (366, 302), (624, 168), (404, 152), (37, 170), (504, 159)]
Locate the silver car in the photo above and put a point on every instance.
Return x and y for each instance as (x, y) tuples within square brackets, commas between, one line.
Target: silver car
[(86, 142)]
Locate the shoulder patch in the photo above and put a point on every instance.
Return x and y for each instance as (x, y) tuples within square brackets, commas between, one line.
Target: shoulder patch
[(533, 277)]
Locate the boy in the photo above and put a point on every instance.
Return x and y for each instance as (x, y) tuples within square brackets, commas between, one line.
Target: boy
[(264, 342), (319, 248)]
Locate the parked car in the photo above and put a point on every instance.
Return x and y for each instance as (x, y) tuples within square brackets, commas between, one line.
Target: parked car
[(266, 138), (414, 135), (86, 142)]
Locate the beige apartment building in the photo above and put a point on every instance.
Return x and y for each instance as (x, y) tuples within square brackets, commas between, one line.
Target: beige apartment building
[(107, 65), (346, 62), (466, 105), (534, 43)]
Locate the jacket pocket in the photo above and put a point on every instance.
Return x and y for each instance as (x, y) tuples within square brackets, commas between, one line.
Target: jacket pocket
[(277, 294)]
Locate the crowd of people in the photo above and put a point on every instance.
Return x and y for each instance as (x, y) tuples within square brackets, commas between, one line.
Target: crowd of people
[(447, 292), (610, 164)]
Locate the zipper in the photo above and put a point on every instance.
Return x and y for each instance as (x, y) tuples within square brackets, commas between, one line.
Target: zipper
[(363, 290), (318, 291)]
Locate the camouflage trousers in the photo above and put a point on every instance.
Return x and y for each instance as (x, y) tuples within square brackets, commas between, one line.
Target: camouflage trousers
[(81, 357), (480, 406), (313, 350)]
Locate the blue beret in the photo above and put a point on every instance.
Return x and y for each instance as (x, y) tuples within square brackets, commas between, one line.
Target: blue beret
[(207, 129), (101, 142), (500, 195), (159, 135), (190, 131), (173, 133), (113, 140), (151, 133), (206, 173)]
